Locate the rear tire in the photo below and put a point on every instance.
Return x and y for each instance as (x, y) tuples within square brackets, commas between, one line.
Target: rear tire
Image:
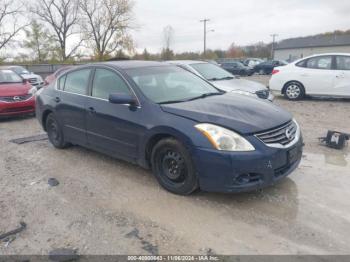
[(173, 167), (55, 133), (294, 91)]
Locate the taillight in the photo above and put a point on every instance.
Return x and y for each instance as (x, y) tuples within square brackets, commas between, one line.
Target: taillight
[(275, 71)]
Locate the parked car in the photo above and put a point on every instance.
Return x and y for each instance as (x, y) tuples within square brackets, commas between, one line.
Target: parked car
[(267, 67), (252, 62), (321, 75), (17, 96), (51, 78), (33, 79), (237, 68), (225, 80), (163, 117)]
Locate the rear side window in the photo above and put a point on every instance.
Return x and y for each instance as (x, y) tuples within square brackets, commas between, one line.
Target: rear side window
[(302, 63), (60, 84), (107, 82), (77, 82), (321, 62), (343, 62)]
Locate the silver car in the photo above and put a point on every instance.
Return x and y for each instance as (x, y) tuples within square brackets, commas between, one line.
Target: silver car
[(225, 80), (33, 79)]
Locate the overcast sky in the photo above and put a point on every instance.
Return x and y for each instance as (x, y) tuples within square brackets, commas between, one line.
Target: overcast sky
[(239, 21)]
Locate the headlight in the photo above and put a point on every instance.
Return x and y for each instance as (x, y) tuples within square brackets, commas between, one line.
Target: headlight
[(223, 139), (32, 91), (240, 92)]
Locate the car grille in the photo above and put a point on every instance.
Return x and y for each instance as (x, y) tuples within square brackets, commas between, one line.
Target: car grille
[(264, 94), (13, 99), (283, 135)]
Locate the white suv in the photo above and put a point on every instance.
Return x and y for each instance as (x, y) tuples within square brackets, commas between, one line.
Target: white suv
[(33, 79), (319, 75)]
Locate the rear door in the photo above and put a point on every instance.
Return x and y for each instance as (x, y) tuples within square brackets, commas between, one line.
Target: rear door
[(342, 80), (112, 128), (71, 100), (318, 75)]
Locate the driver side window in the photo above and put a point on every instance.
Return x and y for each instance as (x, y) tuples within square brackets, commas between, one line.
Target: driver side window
[(107, 82)]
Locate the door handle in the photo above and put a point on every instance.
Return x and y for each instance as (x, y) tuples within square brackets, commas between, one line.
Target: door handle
[(57, 99), (92, 110)]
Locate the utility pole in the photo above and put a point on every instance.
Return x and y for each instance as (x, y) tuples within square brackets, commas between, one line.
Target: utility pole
[(273, 45), (204, 21)]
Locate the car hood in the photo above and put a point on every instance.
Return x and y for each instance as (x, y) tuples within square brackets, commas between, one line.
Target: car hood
[(241, 113), (239, 84), (29, 76), (15, 89)]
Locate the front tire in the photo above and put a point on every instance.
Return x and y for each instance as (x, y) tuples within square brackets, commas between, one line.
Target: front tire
[(173, 167), (55, 133), (294, 91)]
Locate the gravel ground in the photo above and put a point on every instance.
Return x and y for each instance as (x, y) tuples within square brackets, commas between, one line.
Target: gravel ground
[(106, 206)]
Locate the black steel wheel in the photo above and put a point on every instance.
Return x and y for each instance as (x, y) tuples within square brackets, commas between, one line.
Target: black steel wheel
[(172, 165), (54, 132)]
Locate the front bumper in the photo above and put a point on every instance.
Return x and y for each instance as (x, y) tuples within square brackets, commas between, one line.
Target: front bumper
[(17, 108), (234, 172)]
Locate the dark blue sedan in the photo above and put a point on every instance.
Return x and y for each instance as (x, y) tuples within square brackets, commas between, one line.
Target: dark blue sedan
[(162, 117)]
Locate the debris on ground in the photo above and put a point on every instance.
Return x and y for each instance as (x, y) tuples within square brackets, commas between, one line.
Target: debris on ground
[(14, 232), (9, 240), (63, 255), (334, 139), (24, 140), (53, 182)]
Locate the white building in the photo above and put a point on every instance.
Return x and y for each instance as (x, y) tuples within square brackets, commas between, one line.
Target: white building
[(295, 48)]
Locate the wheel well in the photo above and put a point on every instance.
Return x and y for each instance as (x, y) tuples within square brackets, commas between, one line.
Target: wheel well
[(45, 115), (289, 82), (152, 142)]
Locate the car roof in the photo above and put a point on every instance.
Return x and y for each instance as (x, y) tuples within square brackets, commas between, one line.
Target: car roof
[(10, 66), (187, 62), (130, 64)]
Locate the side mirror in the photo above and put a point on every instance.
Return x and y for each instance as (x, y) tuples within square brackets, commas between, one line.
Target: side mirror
[(25, 81), (122, 99)]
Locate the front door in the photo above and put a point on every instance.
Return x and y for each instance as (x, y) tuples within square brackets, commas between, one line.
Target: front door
[(112, 128)]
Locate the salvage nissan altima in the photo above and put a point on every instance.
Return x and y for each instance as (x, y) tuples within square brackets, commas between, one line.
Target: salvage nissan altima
[(165, 118)]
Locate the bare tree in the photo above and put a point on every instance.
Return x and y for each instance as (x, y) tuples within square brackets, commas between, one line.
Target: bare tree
[(63, 17), (9, 25), (168, 35), (106, 23)]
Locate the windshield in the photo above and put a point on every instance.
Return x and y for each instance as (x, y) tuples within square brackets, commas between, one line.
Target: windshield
[(20, 70), (8, 76), (212, 72), (170, 84)]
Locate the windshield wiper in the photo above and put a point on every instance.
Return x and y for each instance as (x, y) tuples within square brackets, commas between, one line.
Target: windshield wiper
[(191, 99), (206, 95), (172, 102), (223, 78)]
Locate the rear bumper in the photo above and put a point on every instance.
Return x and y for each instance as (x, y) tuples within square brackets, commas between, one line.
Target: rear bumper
[(17, 108), (231, 172)]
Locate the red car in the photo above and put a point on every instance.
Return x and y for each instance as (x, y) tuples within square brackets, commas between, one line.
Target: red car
[(17, 96), (51, 78)]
